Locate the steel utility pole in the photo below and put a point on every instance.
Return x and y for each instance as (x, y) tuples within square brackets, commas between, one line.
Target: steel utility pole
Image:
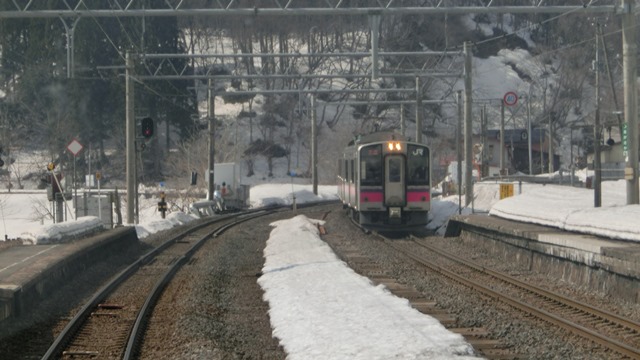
[(459, 150), (629, 53), (132, 182), (314, 146), (529, 134), (374, 23), (468, 154), (418, 112), (212, 133), (597, 171), (550, 147), (502, 170)]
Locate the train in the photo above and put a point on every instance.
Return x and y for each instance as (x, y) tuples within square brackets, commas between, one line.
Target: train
[(384, 182)]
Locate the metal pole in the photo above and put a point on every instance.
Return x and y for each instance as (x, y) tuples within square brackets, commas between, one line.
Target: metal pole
[(418, 112), (459, 150), (375, 35), (550, 143), (571, 147), (69, 32), (529, 135), (502, 172), (75, 190), (629, 53), (614, 95), (131, 140), (597, 180), (314, 146), (468, 101), (212, 133), (484, 166), (402, 124)]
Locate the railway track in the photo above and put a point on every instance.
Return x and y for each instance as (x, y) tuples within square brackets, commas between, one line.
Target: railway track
[(112, 323), (609, 330)]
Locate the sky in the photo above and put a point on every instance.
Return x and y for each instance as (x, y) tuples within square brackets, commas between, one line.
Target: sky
[(300, 269)]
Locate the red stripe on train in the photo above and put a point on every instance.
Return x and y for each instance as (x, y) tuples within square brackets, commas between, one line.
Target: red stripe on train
[(371, 196), (418, 196)]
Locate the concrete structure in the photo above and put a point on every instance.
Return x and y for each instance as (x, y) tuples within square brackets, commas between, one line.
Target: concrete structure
[(610, 267), (29, 273)]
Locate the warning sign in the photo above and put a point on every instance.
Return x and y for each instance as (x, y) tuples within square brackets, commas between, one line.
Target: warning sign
[(510, 98), (506, 190)]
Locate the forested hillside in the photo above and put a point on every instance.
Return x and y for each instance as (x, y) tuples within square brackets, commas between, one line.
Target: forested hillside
[(44, 103)]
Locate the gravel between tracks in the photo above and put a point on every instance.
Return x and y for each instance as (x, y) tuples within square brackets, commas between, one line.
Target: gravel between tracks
[(214, 309), (532, 339)]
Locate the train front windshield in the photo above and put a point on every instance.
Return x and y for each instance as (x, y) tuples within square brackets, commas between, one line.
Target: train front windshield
[(371, 165), (418, 165)]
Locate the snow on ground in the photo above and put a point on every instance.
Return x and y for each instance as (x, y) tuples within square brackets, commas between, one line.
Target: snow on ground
[(306, 284)]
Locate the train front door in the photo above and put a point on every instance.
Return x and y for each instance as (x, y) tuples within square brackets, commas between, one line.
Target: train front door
[(394, 192)]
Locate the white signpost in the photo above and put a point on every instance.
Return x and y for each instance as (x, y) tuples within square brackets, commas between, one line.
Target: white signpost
[(75, 147)]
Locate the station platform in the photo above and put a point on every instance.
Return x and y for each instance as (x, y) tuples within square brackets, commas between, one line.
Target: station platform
[(608, 266), (29, 272)]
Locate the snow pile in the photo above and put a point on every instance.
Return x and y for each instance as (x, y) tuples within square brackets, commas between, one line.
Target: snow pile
[(321, 309), (572, 209), (64, 231)]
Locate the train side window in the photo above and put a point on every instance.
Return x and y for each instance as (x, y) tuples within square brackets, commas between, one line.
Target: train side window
[(345, 171), (347, 176), (352, 170)]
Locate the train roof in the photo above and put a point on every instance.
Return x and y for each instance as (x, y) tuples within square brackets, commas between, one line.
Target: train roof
[(377, 137)]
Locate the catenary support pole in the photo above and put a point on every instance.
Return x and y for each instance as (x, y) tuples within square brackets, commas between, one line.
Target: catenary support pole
[(212, 132), (629, 53), (550, 147), (459, 150), (468, 101), (314, 146), (131, 139), (502, 172), (418, 111), (403, 127), (374, 22), (597, 166), (529, 135)]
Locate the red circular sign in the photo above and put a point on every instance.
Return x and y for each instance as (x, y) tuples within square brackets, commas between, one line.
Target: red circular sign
[(510, 98)]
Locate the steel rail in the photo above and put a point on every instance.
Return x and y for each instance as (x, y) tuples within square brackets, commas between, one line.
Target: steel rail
[(580, 330), (603, 314), (71, 329), (139, 327), (76, 322)]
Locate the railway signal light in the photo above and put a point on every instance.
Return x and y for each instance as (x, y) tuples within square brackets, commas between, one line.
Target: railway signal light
[(147, 127)]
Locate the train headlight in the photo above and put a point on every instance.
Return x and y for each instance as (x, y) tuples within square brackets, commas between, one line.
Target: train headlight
[(394, 146)]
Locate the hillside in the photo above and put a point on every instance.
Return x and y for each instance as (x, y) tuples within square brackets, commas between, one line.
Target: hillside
[(541, 58)]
